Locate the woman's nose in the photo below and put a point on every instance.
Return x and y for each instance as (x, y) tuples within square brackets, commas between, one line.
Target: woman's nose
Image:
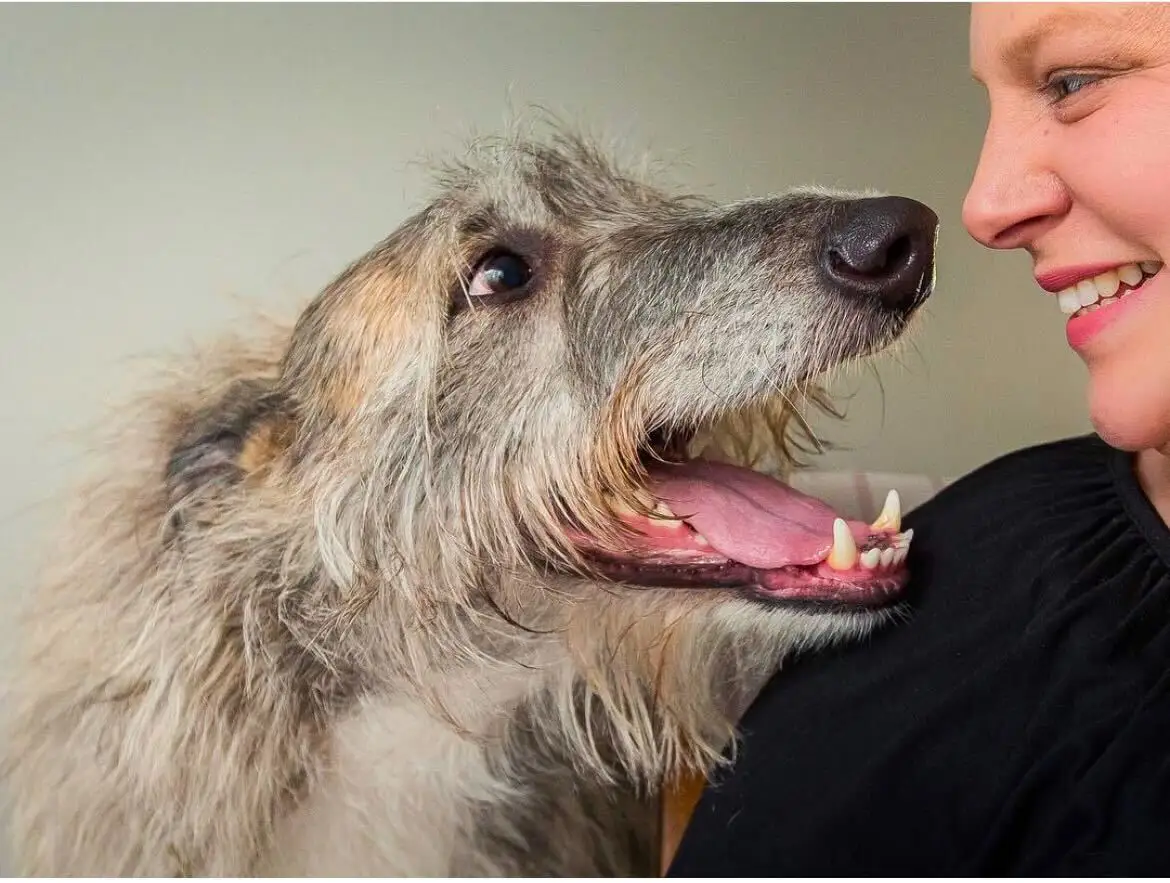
[(1014, 195)]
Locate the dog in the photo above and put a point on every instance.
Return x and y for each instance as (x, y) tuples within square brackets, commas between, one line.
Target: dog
[(447, 576)]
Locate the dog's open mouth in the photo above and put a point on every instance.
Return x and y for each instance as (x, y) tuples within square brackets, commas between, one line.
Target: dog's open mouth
[(712, 524)]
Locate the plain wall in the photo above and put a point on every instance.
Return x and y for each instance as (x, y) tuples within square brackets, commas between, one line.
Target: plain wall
[(158, 163)]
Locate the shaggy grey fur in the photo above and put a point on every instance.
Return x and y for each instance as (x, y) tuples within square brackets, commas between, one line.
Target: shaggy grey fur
[(323, 617)]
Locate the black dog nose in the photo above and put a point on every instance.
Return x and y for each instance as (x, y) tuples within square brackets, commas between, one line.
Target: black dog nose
[(883, 248)]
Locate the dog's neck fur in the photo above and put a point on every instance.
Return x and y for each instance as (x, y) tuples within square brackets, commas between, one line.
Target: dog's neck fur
[(550, 763), (550, 738), (509, 785)]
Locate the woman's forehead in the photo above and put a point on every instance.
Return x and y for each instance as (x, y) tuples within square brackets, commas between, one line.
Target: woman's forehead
[(1008, 35)]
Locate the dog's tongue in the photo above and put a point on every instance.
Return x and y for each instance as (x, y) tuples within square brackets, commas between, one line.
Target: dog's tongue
[(747, 516)]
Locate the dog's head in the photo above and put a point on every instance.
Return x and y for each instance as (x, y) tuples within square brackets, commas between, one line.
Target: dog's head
[(527, 396), (521, 373)]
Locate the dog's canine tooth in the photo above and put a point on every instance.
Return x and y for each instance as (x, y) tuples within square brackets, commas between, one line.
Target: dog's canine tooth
[(891, 515), (843, 555)]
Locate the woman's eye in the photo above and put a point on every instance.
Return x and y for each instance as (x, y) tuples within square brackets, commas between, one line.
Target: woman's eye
[(1061, 86), (500, 273)]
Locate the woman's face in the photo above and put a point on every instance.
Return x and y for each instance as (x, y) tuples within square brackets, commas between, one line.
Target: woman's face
[(1075, 169)]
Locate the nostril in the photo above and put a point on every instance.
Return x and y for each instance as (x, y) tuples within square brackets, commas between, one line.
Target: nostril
[(872, 259), (898, 254)]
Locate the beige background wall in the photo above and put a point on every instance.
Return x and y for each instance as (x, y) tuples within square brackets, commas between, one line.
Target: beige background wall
[(157, 162)]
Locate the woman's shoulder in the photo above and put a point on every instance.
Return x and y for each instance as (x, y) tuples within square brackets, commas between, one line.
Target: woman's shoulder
[(1089, 449), (1067, 467), (1019, 691)]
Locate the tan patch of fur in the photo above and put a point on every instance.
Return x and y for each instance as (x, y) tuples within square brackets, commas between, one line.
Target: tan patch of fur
[(265, 445)]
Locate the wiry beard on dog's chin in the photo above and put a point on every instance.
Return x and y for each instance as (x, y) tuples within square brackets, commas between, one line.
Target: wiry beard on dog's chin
[(652, 682)]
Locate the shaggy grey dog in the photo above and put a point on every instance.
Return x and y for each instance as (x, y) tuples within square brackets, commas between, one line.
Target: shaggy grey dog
[(434, 582)]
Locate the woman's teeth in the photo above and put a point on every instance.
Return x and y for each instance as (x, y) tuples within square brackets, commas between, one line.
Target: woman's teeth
[(1105, 289)]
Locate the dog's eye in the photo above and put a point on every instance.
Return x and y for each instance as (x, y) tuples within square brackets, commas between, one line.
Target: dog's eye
[(501, 273)]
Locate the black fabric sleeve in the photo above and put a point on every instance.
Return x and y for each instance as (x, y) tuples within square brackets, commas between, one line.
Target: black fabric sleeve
[(1017, 723)]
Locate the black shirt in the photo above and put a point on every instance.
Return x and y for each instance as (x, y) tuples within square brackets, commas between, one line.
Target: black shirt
[(1018, 723)]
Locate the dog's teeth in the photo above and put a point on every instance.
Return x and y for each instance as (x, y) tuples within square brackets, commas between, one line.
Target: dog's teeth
[(843, 555), (888, 556), (643, 497), (700, 540), (900, 555), (663, 517), (870, 559), (891, 517), (902, 541)]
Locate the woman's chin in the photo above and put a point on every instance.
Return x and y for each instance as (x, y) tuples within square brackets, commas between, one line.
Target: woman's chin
[(1130, 410)]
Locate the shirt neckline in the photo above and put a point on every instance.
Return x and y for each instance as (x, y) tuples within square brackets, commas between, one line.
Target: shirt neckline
[(1138, 506)]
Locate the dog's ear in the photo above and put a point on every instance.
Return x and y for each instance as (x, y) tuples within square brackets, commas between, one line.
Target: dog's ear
[(238, 435)]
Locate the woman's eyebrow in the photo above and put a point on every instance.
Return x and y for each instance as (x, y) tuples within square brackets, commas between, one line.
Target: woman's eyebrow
[(1127, 28), (1017, 54)]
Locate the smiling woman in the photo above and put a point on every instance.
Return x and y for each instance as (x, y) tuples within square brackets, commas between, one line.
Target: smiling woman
[(1016, 724), (1073, 170)]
